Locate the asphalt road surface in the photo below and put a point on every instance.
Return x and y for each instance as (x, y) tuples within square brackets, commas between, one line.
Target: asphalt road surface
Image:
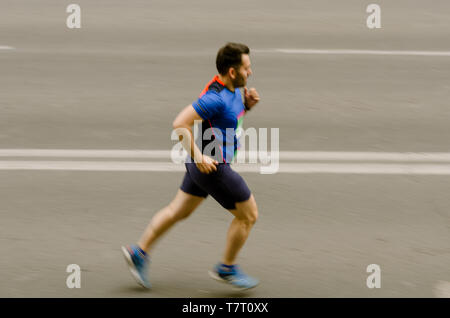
[(118, 82)]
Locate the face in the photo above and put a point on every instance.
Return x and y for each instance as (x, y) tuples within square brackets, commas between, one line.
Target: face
[(242, 73)]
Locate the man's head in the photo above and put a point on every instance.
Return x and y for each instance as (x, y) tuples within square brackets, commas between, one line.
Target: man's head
[(233, 61)]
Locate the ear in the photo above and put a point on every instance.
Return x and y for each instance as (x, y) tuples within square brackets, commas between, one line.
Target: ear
[(232, 73)]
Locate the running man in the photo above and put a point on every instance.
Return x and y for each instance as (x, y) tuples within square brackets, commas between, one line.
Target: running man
[(219, 107)]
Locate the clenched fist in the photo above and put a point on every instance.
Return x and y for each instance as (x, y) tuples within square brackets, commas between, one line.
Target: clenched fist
[(207, 165), (251, 97)]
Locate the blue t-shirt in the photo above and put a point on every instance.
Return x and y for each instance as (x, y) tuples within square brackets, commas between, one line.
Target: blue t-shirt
[(222, 112)]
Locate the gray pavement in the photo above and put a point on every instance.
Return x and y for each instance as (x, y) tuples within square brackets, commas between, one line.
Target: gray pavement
[(118, 82)]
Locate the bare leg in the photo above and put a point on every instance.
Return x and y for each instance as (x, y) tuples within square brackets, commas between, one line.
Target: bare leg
[(246, 214), (180, 208)]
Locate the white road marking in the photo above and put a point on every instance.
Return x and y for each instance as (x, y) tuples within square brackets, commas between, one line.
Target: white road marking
[(393, 163), (283, 155), (91, 166), (365, 156), (366, 168), (3, 47), (355, 52), (85, 153), (304, 168)]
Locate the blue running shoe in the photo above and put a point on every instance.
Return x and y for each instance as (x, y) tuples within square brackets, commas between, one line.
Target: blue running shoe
[(138, 264), (234, 276)]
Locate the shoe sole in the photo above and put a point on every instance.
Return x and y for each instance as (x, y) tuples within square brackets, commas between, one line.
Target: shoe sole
[(132, 268), (216, 277)]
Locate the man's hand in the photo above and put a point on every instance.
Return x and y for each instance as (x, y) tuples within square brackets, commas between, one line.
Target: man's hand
[(207, 165), (251, 97)]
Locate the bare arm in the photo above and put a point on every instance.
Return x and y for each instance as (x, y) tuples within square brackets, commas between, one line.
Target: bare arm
[(182, 125)]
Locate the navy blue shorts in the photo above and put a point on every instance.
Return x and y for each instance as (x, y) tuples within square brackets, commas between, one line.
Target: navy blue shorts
[(225, 185)]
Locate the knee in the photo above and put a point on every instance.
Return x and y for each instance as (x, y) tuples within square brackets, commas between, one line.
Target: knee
[(254, 216), (250, 216)]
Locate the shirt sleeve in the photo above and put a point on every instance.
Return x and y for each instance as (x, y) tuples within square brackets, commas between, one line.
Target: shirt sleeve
[(208, 105)]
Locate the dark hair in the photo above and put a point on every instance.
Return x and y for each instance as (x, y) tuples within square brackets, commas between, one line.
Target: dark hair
[(230, 56)]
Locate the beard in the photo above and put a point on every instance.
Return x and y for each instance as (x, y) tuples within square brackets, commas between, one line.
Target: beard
[(239, 81)]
